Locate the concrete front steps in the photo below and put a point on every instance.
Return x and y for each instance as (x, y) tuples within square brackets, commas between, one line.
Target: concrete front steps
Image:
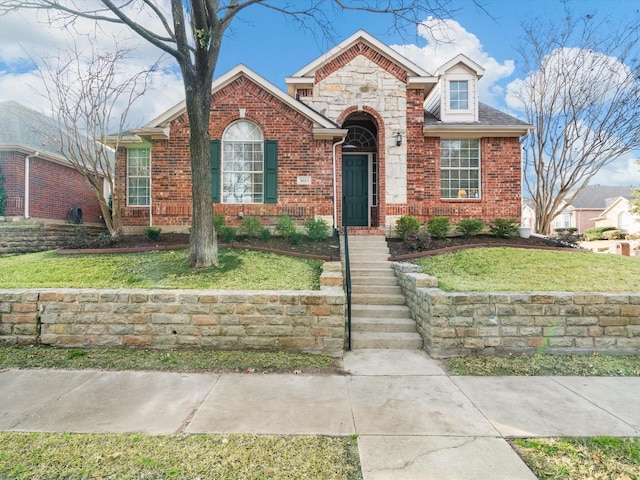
[(379, 315)]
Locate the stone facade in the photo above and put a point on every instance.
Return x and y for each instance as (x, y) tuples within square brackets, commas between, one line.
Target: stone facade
[(459, 323), (35, 237), (308, 321)]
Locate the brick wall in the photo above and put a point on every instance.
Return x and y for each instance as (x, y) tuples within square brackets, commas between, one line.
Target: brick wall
[(459, 323), (309, 321), (54, 189)]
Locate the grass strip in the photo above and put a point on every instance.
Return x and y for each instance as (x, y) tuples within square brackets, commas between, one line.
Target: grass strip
[(602, 458), (71, 456), (166, 360), (236, 269), (565, 365), (516, 270)]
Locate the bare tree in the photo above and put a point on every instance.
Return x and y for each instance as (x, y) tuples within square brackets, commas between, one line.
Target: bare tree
[(582, 94), (90, 100), (192, 33)]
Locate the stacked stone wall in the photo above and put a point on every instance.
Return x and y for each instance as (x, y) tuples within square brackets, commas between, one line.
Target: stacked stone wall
[(28, 238), (463, 323)]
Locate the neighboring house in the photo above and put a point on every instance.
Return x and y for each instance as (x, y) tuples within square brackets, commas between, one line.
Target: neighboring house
[(361, 132), (598, 205), (528, 217), (38, 181)]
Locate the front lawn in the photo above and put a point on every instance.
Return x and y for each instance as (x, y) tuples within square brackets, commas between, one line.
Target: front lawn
[(514, 270), (60, 456), (237, 269)]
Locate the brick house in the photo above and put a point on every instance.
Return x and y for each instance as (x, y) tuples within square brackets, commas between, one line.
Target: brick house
[(39, 183), (360, 122)]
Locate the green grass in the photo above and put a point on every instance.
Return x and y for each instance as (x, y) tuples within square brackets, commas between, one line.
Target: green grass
[(602, 458), (578, 365), (71, 456), (512, 270), (237, 269), (165, 360)]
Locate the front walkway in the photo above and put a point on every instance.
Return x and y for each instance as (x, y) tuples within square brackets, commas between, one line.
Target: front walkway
[(412, 420)]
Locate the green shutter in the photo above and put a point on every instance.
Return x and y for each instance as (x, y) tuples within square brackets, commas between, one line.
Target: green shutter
[(271, 171), (215, 170)]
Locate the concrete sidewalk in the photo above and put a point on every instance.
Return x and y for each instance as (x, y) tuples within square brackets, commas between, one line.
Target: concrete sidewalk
[(412, 420)]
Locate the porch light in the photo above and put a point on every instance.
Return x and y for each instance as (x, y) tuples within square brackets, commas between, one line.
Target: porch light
[(398, 139)]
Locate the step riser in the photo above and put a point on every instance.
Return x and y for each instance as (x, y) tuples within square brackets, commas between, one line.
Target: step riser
[(386, 343), (361, 311), (374, 281), (371, 266), (376, 289), (365, 299), (361, 326)]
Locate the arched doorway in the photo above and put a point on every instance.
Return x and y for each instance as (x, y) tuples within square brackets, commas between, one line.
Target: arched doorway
[(359, 170)]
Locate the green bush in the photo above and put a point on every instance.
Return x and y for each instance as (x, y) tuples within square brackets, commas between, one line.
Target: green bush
[(317, 229), (469, 227), (218, 221), (265, 234), (152, 233), (418, 240), (439, 227), (503, 227), (285, 227), (406, 224), (614, 235), (251, 227), (3, 196), (227, 234), (596, 233), (296, 238)]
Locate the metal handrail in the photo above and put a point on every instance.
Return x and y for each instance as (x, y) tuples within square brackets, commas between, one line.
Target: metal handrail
[(347, 272)]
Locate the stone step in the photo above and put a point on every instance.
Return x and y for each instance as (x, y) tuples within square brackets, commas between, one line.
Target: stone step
[(377, 299), (366, 324), (370, 264), (372, 272), (399, 340), (379, 311), (377, 253), (376, 289), (389, 280)]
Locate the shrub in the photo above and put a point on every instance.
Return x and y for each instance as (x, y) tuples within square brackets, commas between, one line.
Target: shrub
[(564, 239), (3, 196), (285, 227), (295, 238), (596, 233), (251, 227), (265, 234), (406, 224), (227, 234), (503, 228), (152, 233), (418, 240), (614, 235), (218, 221), (317, 229), (469, 227), (439, 227)]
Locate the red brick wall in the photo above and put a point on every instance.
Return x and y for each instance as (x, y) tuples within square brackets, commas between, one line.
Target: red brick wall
[(54, 189)]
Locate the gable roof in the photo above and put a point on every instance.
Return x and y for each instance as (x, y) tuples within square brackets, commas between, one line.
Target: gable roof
[(323, 127), (416, 75), (475, 68), (599, 197), (491, 122)]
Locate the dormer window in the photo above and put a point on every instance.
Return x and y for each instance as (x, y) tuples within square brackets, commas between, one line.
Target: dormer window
[(459, 95)]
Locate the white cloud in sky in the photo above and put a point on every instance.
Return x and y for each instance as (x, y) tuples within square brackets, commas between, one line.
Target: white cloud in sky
[(625, 171), (27, 38), (446, 39)]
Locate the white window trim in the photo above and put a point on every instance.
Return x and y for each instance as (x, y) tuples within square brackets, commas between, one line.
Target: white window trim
[(223, 171), (148, 203), (467, 198)]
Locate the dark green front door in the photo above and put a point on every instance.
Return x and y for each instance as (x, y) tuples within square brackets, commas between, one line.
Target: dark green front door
[(355, 190)]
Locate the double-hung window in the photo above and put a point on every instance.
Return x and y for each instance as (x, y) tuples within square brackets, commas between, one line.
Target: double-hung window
[(460, 168), (459, 95), (138, 177), (243, 164)]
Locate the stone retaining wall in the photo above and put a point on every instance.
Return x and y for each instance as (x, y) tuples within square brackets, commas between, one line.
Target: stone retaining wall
[(309, 321), (459, 323), (36, 237)]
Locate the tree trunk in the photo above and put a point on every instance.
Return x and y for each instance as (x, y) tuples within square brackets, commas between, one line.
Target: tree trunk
[(203, 251)]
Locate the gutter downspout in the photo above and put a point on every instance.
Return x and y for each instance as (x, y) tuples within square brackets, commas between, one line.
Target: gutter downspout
[(335, 187), (27, 175)]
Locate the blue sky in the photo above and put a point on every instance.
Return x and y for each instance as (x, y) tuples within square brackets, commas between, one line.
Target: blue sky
[(275, 48)]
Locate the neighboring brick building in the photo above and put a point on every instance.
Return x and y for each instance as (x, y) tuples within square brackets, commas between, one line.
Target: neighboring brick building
[(38, 182), (360, 122)]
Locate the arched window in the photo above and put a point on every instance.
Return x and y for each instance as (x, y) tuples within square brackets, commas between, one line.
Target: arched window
[(243, 163)]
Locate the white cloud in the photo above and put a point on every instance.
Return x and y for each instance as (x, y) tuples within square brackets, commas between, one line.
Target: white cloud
[(446, 39), (625, 171), (27, 38)]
